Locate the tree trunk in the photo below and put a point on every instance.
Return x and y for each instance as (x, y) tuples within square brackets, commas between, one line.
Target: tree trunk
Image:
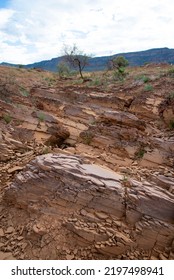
[(80, 70)]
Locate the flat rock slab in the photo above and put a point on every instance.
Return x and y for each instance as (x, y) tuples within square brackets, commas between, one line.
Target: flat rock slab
[(94, 204)]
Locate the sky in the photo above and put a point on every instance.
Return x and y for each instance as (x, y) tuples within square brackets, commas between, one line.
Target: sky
[(36, 30)]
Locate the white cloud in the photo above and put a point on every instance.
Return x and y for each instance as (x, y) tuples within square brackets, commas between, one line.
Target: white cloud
[(5, 15), (35, 30)]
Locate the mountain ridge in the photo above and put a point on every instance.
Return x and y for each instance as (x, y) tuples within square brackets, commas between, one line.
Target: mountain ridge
[(138, 58)]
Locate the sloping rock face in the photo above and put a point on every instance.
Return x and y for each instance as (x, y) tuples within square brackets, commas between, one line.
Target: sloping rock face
[(115, 128), (69, 203), (26, 126)]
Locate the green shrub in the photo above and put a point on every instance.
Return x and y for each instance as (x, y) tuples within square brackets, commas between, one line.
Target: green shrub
[(87, 137), (140, 153), (96, 82), (119, 75), (24, 92), (145, 79), (63, 70), (171, 124), (118, 64), (148, 87), (171, 95), (7, 118), (50, 80), (170, 72), (41, 116), (125, 178)]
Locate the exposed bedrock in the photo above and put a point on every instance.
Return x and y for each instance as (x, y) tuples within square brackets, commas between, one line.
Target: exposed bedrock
[(95, 206)]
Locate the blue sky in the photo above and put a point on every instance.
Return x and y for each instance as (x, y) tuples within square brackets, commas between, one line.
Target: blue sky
[(36, 30), (3, 3)]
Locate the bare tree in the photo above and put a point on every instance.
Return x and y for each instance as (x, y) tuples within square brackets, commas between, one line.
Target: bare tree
[(75, 58)]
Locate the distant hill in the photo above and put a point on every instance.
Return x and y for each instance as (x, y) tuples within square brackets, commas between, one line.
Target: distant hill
[(159, 55)]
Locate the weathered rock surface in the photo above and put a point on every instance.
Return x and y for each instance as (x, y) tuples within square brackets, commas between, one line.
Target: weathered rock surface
[(98, 209), (121, 125), (61, 207)]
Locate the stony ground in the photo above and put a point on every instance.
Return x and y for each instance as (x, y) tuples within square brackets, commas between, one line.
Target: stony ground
[(127, 126)]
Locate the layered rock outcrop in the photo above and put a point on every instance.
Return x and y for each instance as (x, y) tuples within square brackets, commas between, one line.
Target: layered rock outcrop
[(98, 209), (120, 126), (69, 205)]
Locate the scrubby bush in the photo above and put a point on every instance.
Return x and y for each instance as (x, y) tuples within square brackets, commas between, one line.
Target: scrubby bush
[(170, 72), (148, 87), (24, 91), (171, 124), (145, 79), (140, 153), (63, 70), (118, 64), (7, 118), (87, 137), (171, 95), (41, 117)]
